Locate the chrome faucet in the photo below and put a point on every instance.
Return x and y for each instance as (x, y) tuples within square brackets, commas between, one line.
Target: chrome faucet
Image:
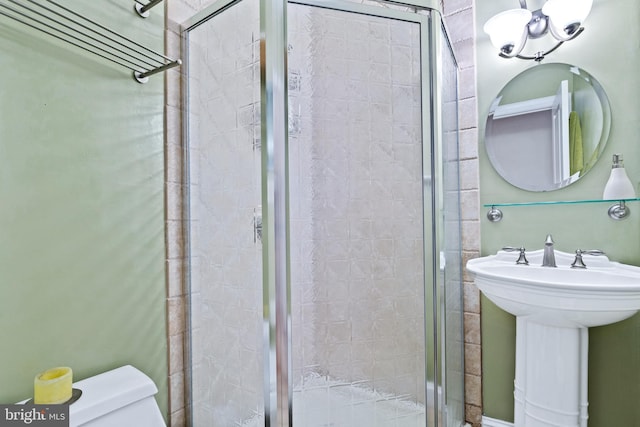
[(548, 258)]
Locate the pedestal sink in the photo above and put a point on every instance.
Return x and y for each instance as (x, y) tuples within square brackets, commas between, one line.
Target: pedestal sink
[(554, 307)]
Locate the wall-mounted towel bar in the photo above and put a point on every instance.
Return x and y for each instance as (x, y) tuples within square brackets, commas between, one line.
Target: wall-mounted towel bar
[(143, 9), (64, 24)]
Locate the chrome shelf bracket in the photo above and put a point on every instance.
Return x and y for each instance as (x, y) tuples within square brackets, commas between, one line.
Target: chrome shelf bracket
[(143, 9), (619, 211)]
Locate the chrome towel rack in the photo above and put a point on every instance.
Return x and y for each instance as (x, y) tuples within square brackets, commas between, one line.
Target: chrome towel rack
[(64, 24)]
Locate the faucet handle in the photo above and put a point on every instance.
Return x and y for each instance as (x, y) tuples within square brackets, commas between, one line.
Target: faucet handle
[(594, 252), (578, 262), (522, 259)]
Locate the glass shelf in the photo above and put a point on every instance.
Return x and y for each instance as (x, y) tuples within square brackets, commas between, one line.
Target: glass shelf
[(618, 209), (559, 202)]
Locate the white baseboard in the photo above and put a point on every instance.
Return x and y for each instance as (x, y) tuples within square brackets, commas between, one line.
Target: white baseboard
[(491, 422)]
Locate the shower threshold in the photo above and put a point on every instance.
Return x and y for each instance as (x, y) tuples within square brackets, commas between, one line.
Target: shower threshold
[(324, 401)]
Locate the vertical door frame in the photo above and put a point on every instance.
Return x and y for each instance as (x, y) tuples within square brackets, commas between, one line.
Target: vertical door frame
[(275, 210)]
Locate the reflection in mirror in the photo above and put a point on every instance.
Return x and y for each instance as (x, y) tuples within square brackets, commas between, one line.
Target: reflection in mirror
[(547, 127)]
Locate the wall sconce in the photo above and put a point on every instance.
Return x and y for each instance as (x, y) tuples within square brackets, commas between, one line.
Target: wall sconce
[(510, 30)]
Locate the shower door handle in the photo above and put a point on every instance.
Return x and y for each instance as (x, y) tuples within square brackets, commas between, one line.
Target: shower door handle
[(257, 224)]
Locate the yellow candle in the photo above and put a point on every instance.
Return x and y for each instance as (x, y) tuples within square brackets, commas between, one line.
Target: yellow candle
[(53, 386)]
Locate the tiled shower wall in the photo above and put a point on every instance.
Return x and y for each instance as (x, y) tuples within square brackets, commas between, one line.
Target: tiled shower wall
[(460, 22), (175, 225), (459, 17)]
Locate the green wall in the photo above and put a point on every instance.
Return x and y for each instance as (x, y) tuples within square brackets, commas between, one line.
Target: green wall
[(81, 207), (614, 352)]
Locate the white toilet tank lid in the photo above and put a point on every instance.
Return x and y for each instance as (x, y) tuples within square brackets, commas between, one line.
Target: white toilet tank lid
[(109, 391)]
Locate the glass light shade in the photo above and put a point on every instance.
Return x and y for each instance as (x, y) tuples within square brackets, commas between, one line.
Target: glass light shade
[(508, 30), (566, 16)]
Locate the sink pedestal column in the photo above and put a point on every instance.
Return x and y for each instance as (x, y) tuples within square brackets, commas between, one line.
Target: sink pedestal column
[(551, 375)]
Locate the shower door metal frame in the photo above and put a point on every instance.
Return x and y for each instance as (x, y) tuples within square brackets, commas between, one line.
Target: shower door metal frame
[(275, 209), (275, 203)]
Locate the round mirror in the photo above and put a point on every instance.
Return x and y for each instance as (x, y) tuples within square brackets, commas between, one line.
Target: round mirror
[(547, 127)]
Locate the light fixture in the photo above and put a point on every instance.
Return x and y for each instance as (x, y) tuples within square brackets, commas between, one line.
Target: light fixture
[(509, 30)]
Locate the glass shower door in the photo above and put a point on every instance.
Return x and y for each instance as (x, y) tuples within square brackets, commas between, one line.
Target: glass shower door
[(451, 241), (224, 202), (360, 217)]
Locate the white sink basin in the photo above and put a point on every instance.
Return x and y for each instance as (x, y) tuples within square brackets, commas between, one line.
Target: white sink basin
[(605, 292)]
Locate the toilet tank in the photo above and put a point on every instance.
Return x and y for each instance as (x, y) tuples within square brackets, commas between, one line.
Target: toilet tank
[(123, 397)]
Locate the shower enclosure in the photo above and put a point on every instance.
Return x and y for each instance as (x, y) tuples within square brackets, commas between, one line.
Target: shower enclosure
[(324, 254)]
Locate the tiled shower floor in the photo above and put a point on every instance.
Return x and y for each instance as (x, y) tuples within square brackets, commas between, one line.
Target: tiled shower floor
[(328, 403)]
